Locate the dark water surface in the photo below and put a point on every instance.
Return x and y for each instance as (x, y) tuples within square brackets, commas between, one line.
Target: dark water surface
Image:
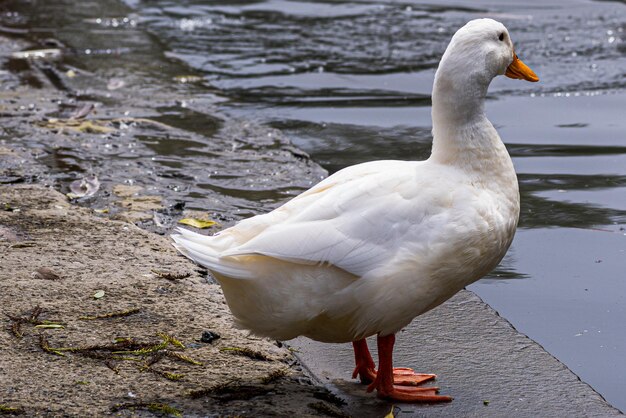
[(349, 82)]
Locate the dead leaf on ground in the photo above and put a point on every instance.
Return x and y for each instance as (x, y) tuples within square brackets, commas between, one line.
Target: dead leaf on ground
[(10, 410), (93, 126), (85, 187), (197, 223)]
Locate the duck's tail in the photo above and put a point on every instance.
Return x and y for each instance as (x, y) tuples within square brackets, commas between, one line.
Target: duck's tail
[(202, 249)]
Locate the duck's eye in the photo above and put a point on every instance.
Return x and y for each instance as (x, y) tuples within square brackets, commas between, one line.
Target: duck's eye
[(501, 36)]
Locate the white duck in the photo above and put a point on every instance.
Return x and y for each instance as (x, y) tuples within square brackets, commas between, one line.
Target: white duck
[(376, 244)]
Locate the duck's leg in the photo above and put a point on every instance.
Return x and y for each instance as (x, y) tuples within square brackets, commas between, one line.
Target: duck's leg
[(385, 379), (366, 369)]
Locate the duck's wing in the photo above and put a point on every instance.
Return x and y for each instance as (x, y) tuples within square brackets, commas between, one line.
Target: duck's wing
[(354, 223)]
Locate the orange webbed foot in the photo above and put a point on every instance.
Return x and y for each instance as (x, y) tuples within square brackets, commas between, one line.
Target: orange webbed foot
[(401, 376), (412, 379), (412, 394), (365, 369), (397, 384)]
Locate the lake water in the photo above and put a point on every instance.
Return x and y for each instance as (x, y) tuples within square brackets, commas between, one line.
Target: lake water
[(349, 82)]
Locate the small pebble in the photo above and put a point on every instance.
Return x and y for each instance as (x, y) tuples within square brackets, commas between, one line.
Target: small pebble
[(209, 336)]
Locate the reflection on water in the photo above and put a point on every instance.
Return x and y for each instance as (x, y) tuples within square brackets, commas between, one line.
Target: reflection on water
[(349, 82)]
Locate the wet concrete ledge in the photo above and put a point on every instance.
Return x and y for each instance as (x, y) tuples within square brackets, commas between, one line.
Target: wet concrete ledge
[(489, 368), (477, 354)]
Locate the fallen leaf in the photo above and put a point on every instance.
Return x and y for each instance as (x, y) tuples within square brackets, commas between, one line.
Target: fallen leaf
[(9, 410), (93, 126), (197, 223), (99, 294), (390, 414), (50, 326), (85, 187)]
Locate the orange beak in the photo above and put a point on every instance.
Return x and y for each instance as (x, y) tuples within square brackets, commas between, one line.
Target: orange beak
[(519, 70)]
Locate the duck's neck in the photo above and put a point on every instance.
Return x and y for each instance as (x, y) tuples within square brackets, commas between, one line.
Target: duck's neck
[(462, 134)]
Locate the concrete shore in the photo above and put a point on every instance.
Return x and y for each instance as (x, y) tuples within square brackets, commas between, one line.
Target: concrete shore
[(83, 295), (489, 368)]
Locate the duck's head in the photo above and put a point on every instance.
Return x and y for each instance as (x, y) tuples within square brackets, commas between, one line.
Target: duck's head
[(478, 52), (482, 50)]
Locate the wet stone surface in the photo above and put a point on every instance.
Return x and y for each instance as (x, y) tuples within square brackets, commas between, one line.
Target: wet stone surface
[(80, 116)]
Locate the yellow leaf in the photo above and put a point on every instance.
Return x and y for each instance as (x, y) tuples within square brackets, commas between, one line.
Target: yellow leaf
[(390, 414), (50, 326), (197, 223)]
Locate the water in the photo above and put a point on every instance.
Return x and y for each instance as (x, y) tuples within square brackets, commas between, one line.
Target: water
[(189, 154), (349, 82)]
